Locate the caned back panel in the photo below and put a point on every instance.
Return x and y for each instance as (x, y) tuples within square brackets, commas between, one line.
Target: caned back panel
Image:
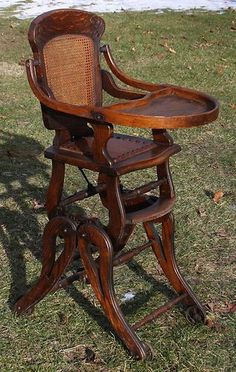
[(70, 68)]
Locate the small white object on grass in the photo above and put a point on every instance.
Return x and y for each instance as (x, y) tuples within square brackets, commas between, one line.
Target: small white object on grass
[(128, 296)]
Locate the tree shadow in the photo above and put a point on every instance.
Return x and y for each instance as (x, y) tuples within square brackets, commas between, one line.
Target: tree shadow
[(128, 308), (23, 180)]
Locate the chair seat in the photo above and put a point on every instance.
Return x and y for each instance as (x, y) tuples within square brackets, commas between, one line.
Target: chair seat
[(127, 153)]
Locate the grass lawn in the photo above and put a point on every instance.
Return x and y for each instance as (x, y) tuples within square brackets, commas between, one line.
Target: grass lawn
[(197, 50)]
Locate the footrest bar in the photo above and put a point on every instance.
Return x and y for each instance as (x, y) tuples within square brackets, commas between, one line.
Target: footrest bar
[(161, 310), (143, 189), (83, 194), (65, 282), (125, 257)]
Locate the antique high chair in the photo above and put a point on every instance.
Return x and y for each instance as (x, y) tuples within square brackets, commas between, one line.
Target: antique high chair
[(65, 75)]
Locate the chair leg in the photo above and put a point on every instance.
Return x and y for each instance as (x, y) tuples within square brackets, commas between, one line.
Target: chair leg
[(117, 229), (164, 252), (101, 279), (55, 188), (52, 268)]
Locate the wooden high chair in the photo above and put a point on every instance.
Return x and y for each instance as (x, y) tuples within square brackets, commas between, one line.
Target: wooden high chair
[(66, 77)]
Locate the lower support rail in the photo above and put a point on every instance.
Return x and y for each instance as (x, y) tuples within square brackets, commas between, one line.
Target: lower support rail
[(83, 194), (65, 282), (125, 257), (161, 310)]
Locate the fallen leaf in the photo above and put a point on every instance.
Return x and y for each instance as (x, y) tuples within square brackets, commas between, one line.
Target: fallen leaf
[(233, 105), (221, 233), (133, 49), (171, 50), (117, 38), (214, 324), (218, 196), (80, 352), (220, 308), (166, 46), (232, 308), (220, 70)]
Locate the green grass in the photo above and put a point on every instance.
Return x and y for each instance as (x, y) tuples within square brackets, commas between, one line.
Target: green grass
[(205, 242)]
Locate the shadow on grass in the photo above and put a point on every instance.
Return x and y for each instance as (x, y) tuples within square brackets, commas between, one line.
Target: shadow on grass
[(142, 298), (23, 177), (24, 181), (131, 308)]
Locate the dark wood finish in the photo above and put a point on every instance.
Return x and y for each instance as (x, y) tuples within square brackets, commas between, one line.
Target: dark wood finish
[(85, 138), (52, 268), (156, 313), (206, 112)]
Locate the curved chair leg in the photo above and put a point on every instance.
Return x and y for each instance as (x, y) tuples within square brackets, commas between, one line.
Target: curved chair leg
[(164, 252), (117, 229), (101, 279), (52, 269), (55, 188)]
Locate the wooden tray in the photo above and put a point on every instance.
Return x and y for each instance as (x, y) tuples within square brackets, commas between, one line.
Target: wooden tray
[(170, 107)]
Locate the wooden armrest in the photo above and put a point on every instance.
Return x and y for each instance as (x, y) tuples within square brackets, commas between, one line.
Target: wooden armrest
[(150, 87), (191, 108)]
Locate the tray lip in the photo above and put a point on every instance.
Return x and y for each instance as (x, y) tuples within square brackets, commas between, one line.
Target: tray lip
[(203, 97), (120, 117)]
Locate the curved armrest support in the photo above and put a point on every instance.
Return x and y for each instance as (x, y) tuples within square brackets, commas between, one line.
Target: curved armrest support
[(150, 87), (110, 86)]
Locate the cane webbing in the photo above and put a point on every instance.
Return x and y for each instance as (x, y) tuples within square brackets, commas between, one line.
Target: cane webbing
[(70, 69)]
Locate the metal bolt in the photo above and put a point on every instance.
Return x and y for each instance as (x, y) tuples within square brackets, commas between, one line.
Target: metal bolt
[(98, 116)]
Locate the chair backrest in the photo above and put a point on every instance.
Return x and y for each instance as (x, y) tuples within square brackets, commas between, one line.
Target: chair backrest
[(66, 45)]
